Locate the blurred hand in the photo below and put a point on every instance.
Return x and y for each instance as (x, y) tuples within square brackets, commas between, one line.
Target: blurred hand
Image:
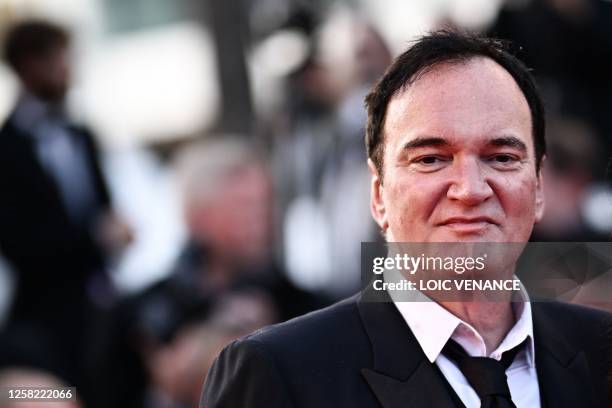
[(113, 233)]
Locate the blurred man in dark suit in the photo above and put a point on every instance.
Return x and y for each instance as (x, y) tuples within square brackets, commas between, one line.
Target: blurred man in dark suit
[(455, 140), (56, 222)]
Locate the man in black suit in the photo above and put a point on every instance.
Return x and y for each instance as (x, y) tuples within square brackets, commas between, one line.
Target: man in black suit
[(455, 140), (56, 223)]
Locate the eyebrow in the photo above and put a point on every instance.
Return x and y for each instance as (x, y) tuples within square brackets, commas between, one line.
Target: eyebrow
[(508, 141), (425, 142)]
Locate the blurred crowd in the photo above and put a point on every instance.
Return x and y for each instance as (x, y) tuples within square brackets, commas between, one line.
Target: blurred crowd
[(273, 218)]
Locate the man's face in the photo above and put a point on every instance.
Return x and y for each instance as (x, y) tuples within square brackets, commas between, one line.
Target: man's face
[(459, 161), (236, 222), (48, 75)]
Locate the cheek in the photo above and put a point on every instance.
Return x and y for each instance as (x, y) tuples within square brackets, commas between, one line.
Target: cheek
[(411, 201), (517, 198)]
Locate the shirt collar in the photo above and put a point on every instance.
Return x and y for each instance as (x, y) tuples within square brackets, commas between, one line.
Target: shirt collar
[(31, 112), (433, 326)]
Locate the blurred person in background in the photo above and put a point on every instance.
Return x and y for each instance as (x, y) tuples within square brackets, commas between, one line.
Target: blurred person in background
[(57, 226), (176, 368), (345, 181), (319, 153), (162, 342), (228, 209), (572, 159)]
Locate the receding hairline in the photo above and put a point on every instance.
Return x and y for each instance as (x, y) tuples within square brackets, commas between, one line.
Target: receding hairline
[(453, 63), (450, 63)]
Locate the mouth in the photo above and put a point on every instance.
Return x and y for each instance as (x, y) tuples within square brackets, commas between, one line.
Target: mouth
[(464, 224)]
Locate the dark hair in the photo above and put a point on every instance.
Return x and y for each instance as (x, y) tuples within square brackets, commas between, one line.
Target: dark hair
[(32, 38), (447, 46)]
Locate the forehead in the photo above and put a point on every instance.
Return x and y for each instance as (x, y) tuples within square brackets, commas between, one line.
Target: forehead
[(468, 100)]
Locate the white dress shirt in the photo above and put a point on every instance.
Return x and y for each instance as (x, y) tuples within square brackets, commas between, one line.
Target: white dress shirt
[(433, 326)]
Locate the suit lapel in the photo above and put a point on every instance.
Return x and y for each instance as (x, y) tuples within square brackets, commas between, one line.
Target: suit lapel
[(563, 373), (424, 388), (31, 168), (401, 375)]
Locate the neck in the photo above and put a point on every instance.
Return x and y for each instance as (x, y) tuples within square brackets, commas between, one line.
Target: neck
[(492, 320)]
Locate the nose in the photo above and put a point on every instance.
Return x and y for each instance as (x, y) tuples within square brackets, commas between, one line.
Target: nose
[(469, 184)]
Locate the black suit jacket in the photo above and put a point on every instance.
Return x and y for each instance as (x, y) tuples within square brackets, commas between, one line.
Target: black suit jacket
[(358, 354), (52, 256)]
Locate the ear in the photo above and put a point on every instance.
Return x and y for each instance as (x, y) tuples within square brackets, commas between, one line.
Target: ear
[(540, 203), (377, 203)]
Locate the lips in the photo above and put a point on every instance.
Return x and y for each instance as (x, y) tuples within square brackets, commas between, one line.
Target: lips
[(468, 225), (467, 221)]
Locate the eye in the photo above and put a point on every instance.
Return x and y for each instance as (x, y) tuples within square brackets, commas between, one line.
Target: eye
[(428, 160), (429, 163), (504, 160)]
